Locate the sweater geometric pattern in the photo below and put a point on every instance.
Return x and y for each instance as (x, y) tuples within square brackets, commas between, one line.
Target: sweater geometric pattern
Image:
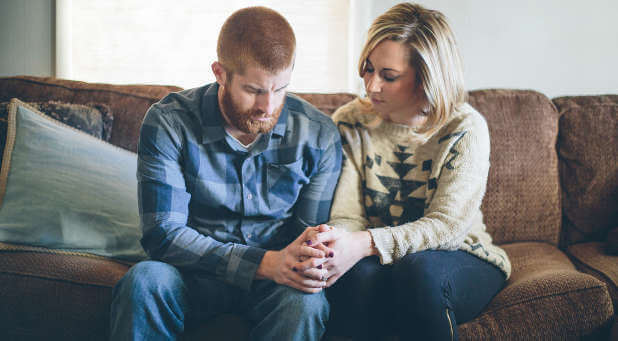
[(415, 195)]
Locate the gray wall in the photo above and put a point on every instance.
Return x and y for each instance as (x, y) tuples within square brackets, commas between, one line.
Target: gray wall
[(27, 37), (557, 47)]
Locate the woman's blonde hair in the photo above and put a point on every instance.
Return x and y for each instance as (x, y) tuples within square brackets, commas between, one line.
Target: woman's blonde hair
[(432, 52)]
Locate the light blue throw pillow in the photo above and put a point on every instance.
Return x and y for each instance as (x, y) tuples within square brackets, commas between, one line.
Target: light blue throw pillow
[(63, 189)]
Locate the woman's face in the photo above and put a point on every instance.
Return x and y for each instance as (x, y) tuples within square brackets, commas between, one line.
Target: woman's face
[(391, 84)]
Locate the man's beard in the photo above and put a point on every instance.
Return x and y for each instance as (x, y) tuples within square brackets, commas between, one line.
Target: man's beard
[(247, 121)]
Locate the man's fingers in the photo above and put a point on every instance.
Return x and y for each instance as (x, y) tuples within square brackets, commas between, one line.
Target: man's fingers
[(307, 251), (312, 262)]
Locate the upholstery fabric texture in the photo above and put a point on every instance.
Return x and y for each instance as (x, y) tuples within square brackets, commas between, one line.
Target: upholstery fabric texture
[(94, 119), (63, 304), (60, 295), (588, 150), (128, 103), (611, 246), (327, 104), (590, 258), (522, 200), (63, 189), (546, 298)]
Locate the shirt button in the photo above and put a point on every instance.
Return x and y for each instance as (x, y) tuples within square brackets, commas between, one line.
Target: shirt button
[(248, 235), (249, 196)]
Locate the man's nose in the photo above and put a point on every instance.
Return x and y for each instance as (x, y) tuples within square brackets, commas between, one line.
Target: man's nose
[(266, 103)]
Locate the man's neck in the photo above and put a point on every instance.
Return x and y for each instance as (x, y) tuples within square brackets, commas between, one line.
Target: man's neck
[(242, 137)]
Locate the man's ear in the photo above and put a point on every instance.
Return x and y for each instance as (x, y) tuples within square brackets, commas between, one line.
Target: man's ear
[(219, 72)]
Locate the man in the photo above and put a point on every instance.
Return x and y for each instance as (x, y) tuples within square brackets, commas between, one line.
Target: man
[(233, 178)]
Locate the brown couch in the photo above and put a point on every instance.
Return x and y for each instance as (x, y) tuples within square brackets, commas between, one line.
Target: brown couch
[(551, 202)]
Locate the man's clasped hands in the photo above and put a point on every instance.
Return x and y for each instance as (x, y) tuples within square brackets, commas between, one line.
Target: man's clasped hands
[(317, 258)]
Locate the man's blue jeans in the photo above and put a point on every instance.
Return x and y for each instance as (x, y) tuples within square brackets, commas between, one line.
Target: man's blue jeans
[(155, 301)]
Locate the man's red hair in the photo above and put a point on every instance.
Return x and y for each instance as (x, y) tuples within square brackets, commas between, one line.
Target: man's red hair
[(256, 36)]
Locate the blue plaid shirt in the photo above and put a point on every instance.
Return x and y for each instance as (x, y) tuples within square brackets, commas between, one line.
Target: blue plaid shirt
[(211, 207)]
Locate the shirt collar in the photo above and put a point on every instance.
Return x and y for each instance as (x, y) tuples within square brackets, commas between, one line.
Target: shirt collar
[(213, 123)]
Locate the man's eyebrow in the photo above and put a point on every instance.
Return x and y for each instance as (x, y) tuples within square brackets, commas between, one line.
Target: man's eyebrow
[(259, 89), (283, 87)]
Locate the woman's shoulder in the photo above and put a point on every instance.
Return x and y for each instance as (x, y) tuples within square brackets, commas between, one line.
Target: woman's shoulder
[(357, 111), (466, 118)]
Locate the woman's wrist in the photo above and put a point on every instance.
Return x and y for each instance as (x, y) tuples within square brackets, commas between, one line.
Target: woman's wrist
[(368, 248)]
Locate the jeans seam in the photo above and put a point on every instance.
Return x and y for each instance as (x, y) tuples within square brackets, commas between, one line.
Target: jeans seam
[(450, 323)]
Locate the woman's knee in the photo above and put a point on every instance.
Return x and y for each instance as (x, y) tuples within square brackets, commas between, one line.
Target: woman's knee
[(421, 281)]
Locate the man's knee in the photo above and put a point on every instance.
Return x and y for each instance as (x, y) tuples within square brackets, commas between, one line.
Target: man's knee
[(299, 305), (150, 278)]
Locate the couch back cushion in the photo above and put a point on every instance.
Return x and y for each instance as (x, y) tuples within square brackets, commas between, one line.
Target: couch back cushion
[(522, 202), (588, 156), (127, 103)]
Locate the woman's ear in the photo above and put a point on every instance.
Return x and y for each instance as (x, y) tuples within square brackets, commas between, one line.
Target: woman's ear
[(219, 72)]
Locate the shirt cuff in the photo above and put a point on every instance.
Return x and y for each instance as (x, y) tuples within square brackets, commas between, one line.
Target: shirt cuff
[(242, 265), (385, 243)]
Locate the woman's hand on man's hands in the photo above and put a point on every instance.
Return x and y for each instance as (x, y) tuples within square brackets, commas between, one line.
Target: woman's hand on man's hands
[(343, 249)]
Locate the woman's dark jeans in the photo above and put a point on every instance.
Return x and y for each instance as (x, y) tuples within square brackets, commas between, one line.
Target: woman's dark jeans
[(423, 296)]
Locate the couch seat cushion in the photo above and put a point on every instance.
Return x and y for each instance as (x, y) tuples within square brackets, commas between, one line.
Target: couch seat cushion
[(545, 298), (55, 295), (591, 258)]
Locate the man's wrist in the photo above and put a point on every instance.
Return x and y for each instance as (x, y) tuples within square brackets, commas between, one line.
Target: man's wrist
[(263, 270)]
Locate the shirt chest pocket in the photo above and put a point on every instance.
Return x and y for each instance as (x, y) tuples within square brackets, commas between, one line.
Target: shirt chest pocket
[(284, 183)]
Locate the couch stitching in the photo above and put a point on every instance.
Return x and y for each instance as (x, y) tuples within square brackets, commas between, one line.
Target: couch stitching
[(89, 90), (538, 298)]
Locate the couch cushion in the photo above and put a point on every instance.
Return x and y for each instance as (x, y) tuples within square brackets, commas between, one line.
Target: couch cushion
[(55, 296), (588, 152), (61, 188), (93, 118), (545, 298), (128, 103), (591, 258), (522, 201), (327, 103)]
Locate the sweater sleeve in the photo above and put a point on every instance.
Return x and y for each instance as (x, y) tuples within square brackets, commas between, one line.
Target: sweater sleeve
[(453, 205), (348, 211)]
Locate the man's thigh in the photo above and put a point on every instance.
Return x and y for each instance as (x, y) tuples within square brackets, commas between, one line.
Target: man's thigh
[(209, 297), (267, 297)]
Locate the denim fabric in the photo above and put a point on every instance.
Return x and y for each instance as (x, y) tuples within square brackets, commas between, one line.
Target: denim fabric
[(154, 301), (422, 297), (208, 204)]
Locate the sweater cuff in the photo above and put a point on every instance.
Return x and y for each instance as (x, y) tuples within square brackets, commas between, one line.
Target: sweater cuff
[(384, 242)]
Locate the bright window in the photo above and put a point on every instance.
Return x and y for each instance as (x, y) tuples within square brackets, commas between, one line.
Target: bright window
[(165, 42)]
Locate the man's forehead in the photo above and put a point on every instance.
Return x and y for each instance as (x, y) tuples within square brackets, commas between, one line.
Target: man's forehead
[(255, 76)]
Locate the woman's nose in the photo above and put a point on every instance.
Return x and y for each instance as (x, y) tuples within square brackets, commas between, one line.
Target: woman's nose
[(373, 84)]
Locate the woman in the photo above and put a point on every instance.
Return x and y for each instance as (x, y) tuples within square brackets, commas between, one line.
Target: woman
[(411, 255)]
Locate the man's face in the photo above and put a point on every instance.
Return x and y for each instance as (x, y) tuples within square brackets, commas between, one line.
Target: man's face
[(252, 102)]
